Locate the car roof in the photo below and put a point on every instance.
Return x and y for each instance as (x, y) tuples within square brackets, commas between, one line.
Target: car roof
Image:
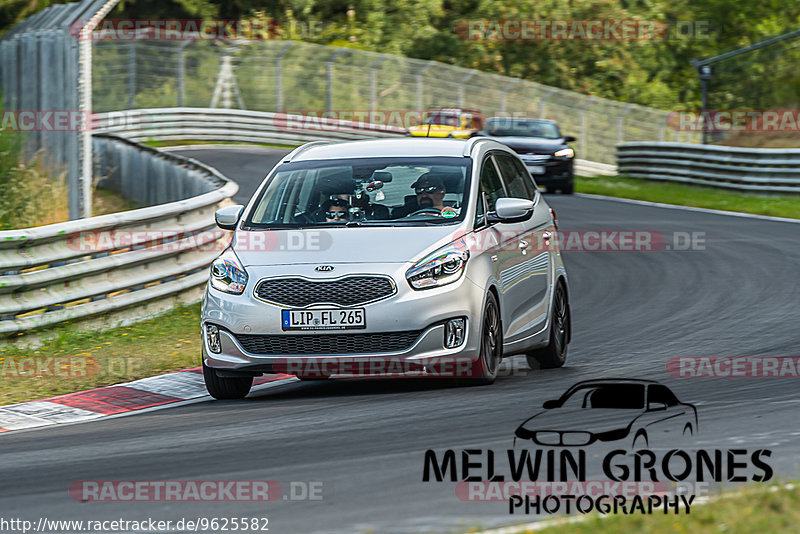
[(606, 381), (397, 147), (519, 119)]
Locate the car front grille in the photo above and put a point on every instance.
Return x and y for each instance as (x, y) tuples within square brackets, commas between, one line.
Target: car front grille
[(348, 291), (293, 344)]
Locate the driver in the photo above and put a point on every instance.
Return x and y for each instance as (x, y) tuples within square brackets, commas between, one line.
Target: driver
[(335, 210), (430, 192)]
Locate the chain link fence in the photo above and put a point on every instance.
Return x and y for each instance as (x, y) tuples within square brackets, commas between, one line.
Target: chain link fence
[(301, 77)]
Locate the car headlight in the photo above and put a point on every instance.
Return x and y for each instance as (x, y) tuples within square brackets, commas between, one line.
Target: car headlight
[(565, 153), (227, 273), (443, 267)]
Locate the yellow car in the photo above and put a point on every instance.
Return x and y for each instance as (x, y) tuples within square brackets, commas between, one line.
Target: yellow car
[(449, 122)]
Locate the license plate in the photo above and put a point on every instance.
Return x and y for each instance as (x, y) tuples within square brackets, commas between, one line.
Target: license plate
[(536, 169), (323, 319)]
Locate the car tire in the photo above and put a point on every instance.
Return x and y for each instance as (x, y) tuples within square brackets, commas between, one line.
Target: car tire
[(484, 369), (568, 189), (226, 388), (555, 353)]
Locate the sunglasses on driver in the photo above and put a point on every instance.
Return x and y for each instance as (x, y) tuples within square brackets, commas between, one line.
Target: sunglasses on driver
[(429, 189)]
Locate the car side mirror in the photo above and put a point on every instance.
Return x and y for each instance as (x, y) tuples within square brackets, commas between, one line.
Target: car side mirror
[(569, 139), (511, 210), (228, 217), (549, 405), (656, 406)]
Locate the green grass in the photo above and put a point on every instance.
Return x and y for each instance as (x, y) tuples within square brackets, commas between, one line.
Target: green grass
[(690, 195), (771, 509), (75, 360), (153, 143)]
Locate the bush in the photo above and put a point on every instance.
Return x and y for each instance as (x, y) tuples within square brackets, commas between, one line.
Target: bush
[(28, 197)]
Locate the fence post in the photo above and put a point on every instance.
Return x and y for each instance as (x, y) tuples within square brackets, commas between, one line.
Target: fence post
[(504, 92), (540, 105), (584, 129), (181, 71), (621, 122), (279, 77), (420, 74), (372, 83), (329, 78), (131, 72), (466, 78)]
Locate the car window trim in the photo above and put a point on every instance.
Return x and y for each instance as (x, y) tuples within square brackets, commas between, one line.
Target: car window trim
[(481, 194)]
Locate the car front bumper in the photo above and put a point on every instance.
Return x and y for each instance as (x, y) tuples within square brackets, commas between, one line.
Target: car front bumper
[(407, 310), (549, 170)]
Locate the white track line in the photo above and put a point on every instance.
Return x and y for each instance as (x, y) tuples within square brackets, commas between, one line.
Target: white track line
[(690, 208)]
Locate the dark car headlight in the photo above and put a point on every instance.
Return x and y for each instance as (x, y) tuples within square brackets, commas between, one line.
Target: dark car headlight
[(613, 435)]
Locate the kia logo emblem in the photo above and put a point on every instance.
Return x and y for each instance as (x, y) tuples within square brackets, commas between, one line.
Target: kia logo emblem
[(324, 268)]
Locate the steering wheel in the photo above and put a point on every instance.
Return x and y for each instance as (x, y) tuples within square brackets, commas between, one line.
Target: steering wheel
[(432, 211)]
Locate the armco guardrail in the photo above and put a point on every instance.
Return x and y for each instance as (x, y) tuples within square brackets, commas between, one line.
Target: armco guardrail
[(751, 169), (211, 124), (146, 258)]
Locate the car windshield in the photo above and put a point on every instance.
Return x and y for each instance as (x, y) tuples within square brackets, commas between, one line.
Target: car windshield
[(617, 396), (442, 118), (364, 191), (521, 128)]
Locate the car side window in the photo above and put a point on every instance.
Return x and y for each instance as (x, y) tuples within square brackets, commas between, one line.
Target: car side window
[(479, 215), (517, 180), (491, 183), (527, 179), (661, 394)]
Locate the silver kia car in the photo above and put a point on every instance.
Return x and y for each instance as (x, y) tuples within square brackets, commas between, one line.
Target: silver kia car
[(391, 257)]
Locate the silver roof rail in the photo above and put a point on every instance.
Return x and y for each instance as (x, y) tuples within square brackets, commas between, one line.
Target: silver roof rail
[(302, 148), (470, 144)]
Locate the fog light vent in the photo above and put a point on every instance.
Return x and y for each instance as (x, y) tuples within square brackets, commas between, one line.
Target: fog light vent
[(454, 332), (212, 338)]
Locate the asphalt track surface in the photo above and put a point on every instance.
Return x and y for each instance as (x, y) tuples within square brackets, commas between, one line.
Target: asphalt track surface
[(365, 439)]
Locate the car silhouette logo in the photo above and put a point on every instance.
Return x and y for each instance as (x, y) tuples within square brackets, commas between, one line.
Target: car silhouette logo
[(324, 268), (643, 412)]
